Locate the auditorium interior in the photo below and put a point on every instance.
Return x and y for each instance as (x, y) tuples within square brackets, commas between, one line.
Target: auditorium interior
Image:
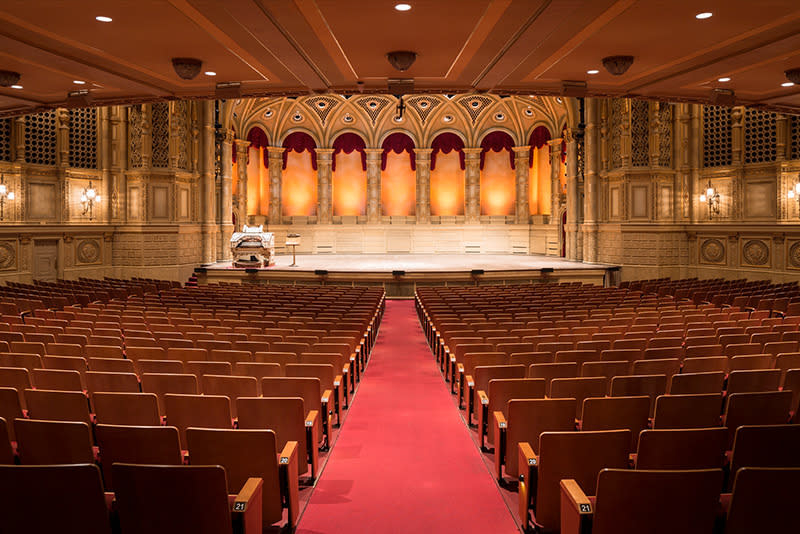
[(330, 266)]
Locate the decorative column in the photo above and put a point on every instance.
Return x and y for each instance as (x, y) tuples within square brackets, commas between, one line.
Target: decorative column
[(625, 136), (590, 182), (119, 162), (555, 180), (207, 204), (241, 158), (324, 185), (226, 195), (147, 137), (275, 184), (19, 139), (374, 185), (522, 169), (62, 160), (472, 184), (423, 161), (695, 147), (736, 201), (572, 195), (104, 160)]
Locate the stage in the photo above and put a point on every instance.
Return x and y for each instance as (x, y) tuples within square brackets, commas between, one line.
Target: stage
[(401, 274)]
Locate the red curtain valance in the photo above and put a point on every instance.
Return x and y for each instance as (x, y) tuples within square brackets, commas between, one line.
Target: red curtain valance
[(445, 143), (496, 142), (299, 142), (539, 138), (258, 139), (397, 143), (347, 142)]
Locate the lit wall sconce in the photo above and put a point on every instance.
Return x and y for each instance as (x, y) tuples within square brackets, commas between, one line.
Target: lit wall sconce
[(88, 199), (794, 193), (711, 197), (5, 194)]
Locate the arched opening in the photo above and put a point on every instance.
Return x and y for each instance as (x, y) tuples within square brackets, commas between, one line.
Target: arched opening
[(497, 174), (398, 175), (257, 172), (299, 182), (563, 233), (447, 175), (349, 181), (539, 184)]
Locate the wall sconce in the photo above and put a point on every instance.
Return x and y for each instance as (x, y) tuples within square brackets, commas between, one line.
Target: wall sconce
[(5, 194), (711, 196), (88, 198), (794, 193)]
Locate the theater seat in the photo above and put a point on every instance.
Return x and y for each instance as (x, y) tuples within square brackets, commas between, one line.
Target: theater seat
[(764, 500), (496, 399), (635, 502), (204, 411), (136, 445), (688, 411), (184, 500), (78, 505), (697, 448), (137, 409), (252, 453), (53, 442), (615, 413), (6, 452), (765, 446)]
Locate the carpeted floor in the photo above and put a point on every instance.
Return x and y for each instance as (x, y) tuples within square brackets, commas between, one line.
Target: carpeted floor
[(404, 461)]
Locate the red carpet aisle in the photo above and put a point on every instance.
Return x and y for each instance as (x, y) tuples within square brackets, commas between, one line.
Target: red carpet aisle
[(404, 461)]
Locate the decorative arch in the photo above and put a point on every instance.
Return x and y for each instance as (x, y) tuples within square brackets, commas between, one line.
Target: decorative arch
[(447, 179), (497, 141), (349, 182), (299, 142), (445, 143), (347, 142), (258, 139), (398, 142), (299, 190), (539, 175), (539, 137)]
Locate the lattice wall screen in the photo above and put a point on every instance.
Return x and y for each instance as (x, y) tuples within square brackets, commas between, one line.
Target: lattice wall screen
[(5, 140), (83, 138), (180, 126), (760, 136), (40, 138), (717, 144), (615, 145), (640, 133), (135, 136), (795, 137), (160, 115), (665, 135)]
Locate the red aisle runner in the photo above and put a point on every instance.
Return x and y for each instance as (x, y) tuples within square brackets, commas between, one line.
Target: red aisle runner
[(404, 461)]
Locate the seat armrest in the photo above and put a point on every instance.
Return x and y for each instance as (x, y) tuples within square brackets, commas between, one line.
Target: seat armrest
[(337, 397), (482, 413), (247, 508), (528, 479), (327, 417), (312, 441), (470, 392), (500, 427), (287, 468), (576, 509)]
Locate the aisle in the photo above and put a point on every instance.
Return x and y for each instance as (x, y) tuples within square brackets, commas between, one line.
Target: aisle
[(404, 461)]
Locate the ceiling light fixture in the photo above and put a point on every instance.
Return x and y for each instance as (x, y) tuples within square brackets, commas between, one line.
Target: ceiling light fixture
[(593, 71), (210, 73), (401, 59), (9, 78), (723, 80), (102, 18), (787, 84), (78, 82), (16, 86), (186, 67), (617, 65), (402, 7), (704, 15), (793, 75)]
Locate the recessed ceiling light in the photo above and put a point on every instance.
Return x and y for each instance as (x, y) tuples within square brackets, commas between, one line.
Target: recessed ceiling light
[(16, 87), (402, 7), (725, 79), (210, 73), (102, 18), (704, 15), (78, 82), (784, 84), (593, 71)]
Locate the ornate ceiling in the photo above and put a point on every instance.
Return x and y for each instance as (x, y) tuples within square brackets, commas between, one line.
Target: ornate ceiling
[(293, 47)]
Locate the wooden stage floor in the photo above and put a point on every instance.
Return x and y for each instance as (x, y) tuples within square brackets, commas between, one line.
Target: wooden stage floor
[(401, 274)]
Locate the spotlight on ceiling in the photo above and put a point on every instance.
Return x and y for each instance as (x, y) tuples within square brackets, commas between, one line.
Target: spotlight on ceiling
[(593, 71), (186, 67), (8, 78), (784, 84), (793, 75), (401, 59), (723, 79), (704, 15), (402, 7), (617, 65), (101, 18)]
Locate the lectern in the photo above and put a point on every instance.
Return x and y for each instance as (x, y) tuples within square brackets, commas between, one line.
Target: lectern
[(292, 240)]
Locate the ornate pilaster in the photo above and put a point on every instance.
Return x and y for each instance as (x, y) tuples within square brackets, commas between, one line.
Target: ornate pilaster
[(324, 188), (522, 170), (737, 135), (241, 158), (590, 182), (207, 204), (19, 138), (226, 195), (374, 184), (625, 134), (147, 136), (472, 185), (119, 159), (573, 205), (782, 131), (555, 180), (275, 183), (423, 208), (695, 145), (62, 160), (104, 150)]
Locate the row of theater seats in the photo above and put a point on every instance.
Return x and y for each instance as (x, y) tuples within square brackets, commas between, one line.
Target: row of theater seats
[(177, 382), (624, 393)]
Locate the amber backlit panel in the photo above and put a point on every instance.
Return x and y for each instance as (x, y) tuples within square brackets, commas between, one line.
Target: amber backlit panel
[(447, 186), (299, 187), (398, 185), (349, 185), (539, 182), (257, 183), (497, 184), (235, 178)]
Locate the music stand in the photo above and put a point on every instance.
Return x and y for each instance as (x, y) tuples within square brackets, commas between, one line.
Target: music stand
[(292, 240)]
